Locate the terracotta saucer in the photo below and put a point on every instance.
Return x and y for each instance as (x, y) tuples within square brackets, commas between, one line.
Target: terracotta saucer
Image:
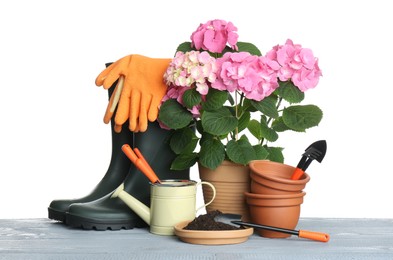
[(221, 237)]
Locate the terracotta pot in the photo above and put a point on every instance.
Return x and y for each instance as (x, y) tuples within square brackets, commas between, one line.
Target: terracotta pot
[(269, 177), (275, 210), (231, 181)]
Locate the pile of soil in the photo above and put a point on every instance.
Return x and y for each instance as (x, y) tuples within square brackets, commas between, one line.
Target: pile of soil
[(207, 222)]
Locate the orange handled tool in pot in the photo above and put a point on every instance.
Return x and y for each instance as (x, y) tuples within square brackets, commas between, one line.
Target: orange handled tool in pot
[(316, 151), (140, 162)]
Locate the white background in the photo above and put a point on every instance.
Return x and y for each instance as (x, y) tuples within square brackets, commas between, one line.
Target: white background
[(53, 143)]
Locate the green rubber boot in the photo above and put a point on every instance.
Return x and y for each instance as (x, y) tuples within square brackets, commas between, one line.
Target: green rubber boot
[(113, 213), (115, 175)]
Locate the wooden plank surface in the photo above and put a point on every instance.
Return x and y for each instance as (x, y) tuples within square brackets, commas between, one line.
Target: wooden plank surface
[(46, 239)]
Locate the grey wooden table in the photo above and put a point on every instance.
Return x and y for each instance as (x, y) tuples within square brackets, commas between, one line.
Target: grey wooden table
[(46, 239)]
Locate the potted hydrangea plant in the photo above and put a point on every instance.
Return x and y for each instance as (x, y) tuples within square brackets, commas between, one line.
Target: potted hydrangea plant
[(222, 93), (227, 90)]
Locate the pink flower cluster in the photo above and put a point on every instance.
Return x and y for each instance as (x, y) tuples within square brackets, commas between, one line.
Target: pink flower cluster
[(255, 76), (187, 70), (214, 35), (297, 64), (191, 67)]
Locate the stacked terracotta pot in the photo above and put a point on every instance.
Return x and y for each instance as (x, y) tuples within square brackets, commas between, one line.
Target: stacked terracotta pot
[(275, 199)]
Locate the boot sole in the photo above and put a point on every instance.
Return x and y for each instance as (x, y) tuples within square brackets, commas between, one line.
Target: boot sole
[(102, 224), (57, 215)]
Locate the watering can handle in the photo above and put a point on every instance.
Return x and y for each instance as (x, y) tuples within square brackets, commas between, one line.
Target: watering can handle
[(214, 193)]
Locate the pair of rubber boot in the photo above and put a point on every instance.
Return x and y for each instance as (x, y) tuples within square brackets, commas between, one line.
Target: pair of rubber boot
[(98, 210)]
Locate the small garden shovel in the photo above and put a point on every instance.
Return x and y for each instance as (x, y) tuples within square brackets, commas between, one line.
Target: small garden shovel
[(316, 151), (140, 162), (235, 220)]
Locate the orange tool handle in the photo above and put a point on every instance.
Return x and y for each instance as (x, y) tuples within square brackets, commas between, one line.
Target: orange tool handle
[(142, 158), (147, 171), (141, 164), (297, 174), (317, 236), (129, 153)]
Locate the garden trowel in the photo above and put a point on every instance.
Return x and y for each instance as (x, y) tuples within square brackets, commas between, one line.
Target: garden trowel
[(316, 151), (235, 220)]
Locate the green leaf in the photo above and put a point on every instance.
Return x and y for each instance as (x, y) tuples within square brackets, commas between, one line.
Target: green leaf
[(183, 141), (191, 97), (184, 47), (300, 118), (248, 106), (268, 133), (243, 121), (278, 125), (260, 152), (248, 47), (206, 136), (275, 154), (255, 129), (174, 115), (240, 151), (267, 106), (215, 99), (212, 153), (289, 92), (184, 161), (218, 122), (199, 127)]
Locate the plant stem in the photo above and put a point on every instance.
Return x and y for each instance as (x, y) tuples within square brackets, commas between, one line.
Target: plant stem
[(236, 129), (241, 102)]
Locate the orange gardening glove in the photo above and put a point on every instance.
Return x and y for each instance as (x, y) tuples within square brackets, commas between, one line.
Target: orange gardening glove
[(138, 92)]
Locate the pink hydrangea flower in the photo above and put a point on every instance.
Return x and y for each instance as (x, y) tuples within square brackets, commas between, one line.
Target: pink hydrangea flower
[(214, 35), (195, 111), (297, 64), (175, 92), (191, 68), (254, 76)]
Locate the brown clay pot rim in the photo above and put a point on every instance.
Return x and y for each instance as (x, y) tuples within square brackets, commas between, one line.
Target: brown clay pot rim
[(274, 178), (274, 196), (226, 162), (278, 179)]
